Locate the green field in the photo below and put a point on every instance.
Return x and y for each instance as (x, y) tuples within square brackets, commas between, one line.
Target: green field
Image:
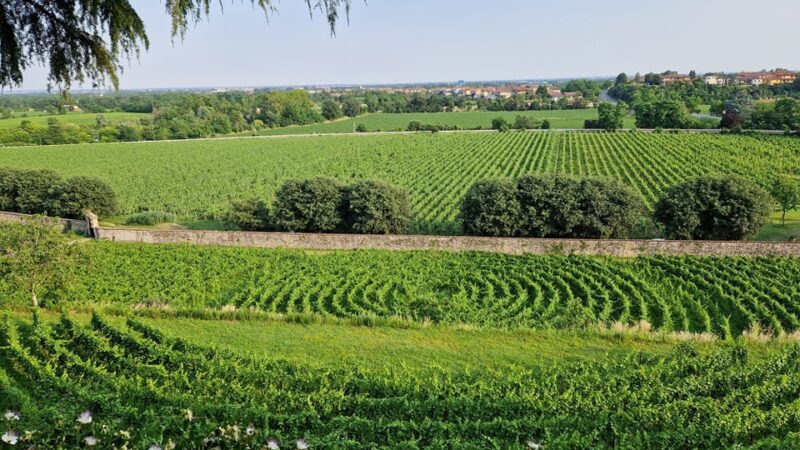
[(76, 118), (701, 295), (569, 118), (198, 178), (143, 388)]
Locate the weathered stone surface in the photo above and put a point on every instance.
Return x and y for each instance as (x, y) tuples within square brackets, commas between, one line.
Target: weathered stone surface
[(78, 226), (514, 246)]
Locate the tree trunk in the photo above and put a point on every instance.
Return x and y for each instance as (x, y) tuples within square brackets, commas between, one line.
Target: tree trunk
[(783, 218), (35, 299)]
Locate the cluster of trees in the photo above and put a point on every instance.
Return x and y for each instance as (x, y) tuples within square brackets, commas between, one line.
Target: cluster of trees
[(46, 192), (712, 208), (657, 105), (416, 125), (742, 112), (552, 206), (708, 208), (610, 117), (520, 123), (323, 205), (174, 116)]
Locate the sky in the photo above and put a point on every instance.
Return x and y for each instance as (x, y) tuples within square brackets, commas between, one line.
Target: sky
[(405, 41)]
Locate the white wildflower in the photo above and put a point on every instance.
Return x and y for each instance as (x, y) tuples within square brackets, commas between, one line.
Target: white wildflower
[(534, 445), (302, 444), (272, 444), (154, 447), (250, 430), (11, 415), (90, 441), (85, 417), (10, 437)]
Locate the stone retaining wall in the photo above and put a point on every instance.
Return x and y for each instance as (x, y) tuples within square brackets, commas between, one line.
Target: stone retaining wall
[(513, 246), (79, 226)]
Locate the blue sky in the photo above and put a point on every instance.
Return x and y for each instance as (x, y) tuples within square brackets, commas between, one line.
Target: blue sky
[(447, 40)]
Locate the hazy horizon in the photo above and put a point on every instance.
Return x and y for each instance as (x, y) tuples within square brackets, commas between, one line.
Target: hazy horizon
[(418, 42)]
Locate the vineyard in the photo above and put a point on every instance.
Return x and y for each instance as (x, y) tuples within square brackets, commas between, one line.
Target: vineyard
[(200, 177), (128, 384), (724, 296)]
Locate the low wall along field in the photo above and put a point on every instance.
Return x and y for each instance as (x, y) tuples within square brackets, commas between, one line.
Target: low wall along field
[(513, 246)]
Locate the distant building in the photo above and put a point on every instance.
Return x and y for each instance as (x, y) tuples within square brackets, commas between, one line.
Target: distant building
[(773, 77), (675, 77), (715, 79)]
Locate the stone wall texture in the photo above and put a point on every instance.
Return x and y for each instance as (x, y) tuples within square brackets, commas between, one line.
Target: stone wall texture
[(78, 226), (513, 246)]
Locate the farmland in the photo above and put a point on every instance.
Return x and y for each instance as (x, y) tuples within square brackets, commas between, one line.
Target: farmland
[(76, 118), (198, 178), (169, 390), (569, 118), (701, 295)]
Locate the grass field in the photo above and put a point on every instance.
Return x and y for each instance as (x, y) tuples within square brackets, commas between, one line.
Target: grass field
[(198, 178), (570, 118), (775, 231), (76, 118)]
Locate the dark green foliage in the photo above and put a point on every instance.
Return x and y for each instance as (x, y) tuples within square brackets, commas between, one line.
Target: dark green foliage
[(331, 109), (312, 206), (663, 113), (416, 125), (33, 190), (546, 124), (8, 189), (560, 206), (150, 218), (361, 128), (500, 124), (72, 197), (491, 208), (249, 215), (611, 117), (375, 207), (526, 123), (713, 208)]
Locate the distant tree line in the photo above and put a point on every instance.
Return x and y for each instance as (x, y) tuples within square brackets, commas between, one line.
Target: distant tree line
[(658, 105)]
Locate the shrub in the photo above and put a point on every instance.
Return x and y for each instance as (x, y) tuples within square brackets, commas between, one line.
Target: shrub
[(8, 189), (713, 208), (491, 208), (500, 124), (33, 190), (561, 206), (546, 124), (608, 210), (361, 128), (549, 205), (249, 215), (526, 123), (375, 207), (309, 205), (73, 196), (150, 218)]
